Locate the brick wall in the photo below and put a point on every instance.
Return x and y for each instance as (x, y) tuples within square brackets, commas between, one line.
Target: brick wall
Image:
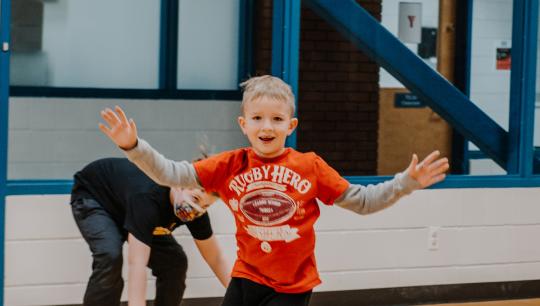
[(338, 91)]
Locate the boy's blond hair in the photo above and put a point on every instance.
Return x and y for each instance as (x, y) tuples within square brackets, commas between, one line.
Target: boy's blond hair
[(267, 86)]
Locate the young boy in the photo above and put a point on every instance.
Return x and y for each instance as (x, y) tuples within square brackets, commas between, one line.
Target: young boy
[(113, 201), (272, 192)]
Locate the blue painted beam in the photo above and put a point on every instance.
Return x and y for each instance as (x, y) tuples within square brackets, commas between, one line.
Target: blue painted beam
[(34, 187), (47, 187), (349, 18), (286, 47), (5, 18), (464, 181), (523, 88)]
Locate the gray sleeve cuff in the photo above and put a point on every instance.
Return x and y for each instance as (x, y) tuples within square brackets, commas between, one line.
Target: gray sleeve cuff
[(406, 182)]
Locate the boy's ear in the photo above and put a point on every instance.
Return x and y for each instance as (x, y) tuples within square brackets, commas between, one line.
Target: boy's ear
[(242, 123), (292, 125)]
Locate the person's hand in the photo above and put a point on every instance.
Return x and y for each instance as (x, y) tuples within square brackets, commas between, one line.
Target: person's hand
[(429, 171), (119, 129)]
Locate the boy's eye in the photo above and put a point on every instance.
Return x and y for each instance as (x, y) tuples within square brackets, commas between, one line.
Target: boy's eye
[(278, 119), (256, 118)]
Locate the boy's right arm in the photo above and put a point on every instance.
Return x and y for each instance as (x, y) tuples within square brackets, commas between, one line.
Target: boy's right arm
[(160, 169), (123, 133), (373, 198)]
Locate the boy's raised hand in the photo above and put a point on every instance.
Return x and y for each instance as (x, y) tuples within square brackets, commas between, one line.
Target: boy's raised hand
[(429, 171), (119, 129)]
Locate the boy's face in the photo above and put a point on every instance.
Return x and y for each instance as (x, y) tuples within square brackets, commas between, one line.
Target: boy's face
[(190, 203), (267, 123)]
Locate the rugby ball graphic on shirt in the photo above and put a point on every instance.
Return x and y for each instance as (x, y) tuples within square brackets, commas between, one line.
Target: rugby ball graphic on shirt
[(267, 207)]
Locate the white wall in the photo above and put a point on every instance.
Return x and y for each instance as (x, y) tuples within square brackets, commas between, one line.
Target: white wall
[(51, 138), (48, 262), (485, 235)]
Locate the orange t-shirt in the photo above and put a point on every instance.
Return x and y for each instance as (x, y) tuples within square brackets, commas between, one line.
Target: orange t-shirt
[(273, 202)]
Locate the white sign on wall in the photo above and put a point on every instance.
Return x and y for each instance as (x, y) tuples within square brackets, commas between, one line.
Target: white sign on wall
[(410, 22)]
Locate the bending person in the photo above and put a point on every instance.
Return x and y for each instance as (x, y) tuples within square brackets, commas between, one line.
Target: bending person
[(113, 201)]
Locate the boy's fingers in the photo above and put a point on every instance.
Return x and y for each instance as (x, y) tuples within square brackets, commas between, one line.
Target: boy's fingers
[(132, 124), (104, 129), (106, 118), (115, 117), (414, 162), (436, 169), (121, 114), (437, 179), (441, 169), (431, 157), (438, 163), (109, 116), (104, 115)]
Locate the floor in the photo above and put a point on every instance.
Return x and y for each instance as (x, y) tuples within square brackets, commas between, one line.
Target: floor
[(528, 302)]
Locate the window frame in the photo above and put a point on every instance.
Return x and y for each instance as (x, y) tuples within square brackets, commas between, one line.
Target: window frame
[(285, 64)]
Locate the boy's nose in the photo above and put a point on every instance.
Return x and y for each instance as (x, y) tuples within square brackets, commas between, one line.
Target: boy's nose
[(267, 125)]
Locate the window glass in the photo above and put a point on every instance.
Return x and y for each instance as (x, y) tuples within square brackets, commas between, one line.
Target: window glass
[(490, 69), (208, 41), (79, 43), (422, 41), (406, 125)]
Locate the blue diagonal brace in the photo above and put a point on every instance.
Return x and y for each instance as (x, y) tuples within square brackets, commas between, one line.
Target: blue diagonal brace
[(349, 18)]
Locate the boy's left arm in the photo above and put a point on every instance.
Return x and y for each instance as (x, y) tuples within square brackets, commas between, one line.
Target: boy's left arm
[(372, 198)]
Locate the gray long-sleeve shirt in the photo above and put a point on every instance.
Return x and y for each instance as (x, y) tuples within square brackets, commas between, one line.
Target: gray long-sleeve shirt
[(357, 198)]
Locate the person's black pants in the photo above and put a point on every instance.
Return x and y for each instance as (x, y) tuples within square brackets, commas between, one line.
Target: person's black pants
[(105, 238), (243, 292)]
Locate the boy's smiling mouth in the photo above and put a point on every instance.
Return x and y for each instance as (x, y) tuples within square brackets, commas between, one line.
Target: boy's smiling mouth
[(266, 139)]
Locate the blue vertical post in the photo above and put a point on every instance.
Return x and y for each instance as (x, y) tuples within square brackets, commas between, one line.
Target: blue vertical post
[(168, 45), (245, 50), (5, 12), (462, 79), (286, 46), (523, 87), (278, 23)]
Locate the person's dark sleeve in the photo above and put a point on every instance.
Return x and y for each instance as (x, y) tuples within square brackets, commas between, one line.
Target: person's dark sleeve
[(142, 217), (200, 228)]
